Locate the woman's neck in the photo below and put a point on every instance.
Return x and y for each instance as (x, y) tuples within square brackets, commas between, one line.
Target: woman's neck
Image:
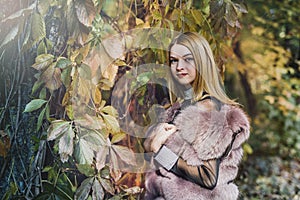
[(188, 93)]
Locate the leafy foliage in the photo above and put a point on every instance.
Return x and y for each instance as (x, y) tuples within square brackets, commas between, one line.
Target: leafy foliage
[(78, 50)]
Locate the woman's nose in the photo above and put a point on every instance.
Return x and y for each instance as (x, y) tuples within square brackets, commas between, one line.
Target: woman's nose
[(180, 65)]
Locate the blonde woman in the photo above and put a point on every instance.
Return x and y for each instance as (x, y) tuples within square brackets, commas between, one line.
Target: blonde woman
[(197, 146)]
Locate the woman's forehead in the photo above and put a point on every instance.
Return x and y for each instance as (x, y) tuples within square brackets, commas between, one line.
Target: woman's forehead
[(179, 50)]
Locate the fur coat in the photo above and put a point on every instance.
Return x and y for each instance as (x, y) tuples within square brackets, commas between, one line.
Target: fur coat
[(202, 134)]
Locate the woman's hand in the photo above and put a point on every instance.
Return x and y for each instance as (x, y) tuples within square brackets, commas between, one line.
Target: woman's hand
[(159, 136)]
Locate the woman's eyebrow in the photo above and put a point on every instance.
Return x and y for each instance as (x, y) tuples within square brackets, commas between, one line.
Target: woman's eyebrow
[(173, 56), (177, 56), (188, 54)]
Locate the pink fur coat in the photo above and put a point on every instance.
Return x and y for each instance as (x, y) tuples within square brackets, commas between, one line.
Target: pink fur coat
[(202, 134)]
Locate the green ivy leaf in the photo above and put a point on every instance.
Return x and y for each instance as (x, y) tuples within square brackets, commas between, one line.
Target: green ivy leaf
[(107, 185), (85, 71), (90, 122), (66, 144), (66, 76), (43, 7), (42, 49), (197, 15), (36, 86), (144, 77), (57, 128), (63, 63), (21, 13), (247, 148), (43, 61), (157, 15), (43, 93), (10, 36), (112, 123), (110, 111), (83, 191), (241, 7), (34, 105), (98, 192), (84, 154), (118, 137), (86, 169), (88, 144), (231, 14), (38, 28), (40, 119)]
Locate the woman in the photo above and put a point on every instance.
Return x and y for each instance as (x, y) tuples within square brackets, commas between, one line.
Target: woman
[(198, 144)]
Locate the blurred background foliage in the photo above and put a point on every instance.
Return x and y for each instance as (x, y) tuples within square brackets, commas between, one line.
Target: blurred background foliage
[(62, 133)]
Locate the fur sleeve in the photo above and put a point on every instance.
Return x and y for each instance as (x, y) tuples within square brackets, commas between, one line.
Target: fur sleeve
[(210, 132)]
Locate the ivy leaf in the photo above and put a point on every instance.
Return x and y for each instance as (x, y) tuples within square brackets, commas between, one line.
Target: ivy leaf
[(43, 6), (85, 71), (247, 148), (156, 15), (40, 119), (43, 61), (105, 84), (57, 128), (88, 144), (111, 122), (20, 14), (118, 137), (43, 93), (101, 157), (63, 63), (126, 156), (109, 73), (86, 169), (85, 11), (241, 7), (10, 36), (52, 77), (115, 166), (84, 154), (98, 192), (66, 144), (97, 96), (34, 105), (139, 21), (38, 28), (107, 185), (144, 77), (230, 14), (91, 122), (110, 111), (197, 15), (66, 76), (36, 86), (84, 189), (84, 89)]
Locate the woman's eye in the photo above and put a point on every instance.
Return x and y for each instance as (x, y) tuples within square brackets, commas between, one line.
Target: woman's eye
[(173, 61), (189, 59)]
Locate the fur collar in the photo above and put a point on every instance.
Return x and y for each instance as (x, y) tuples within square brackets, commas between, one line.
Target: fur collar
[(208, 132)]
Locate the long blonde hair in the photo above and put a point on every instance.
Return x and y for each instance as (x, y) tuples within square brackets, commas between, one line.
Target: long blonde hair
[(208, 78)]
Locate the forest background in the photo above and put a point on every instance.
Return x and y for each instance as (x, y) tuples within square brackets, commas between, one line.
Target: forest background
[(68, 132)]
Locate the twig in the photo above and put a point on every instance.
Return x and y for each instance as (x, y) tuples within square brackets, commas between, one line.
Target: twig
[(3, 167)]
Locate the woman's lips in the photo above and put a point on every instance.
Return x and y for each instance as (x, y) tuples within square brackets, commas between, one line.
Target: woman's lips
[(181, 75)]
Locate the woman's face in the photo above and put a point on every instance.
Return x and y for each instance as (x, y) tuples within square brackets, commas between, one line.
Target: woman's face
[(182, 64)]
